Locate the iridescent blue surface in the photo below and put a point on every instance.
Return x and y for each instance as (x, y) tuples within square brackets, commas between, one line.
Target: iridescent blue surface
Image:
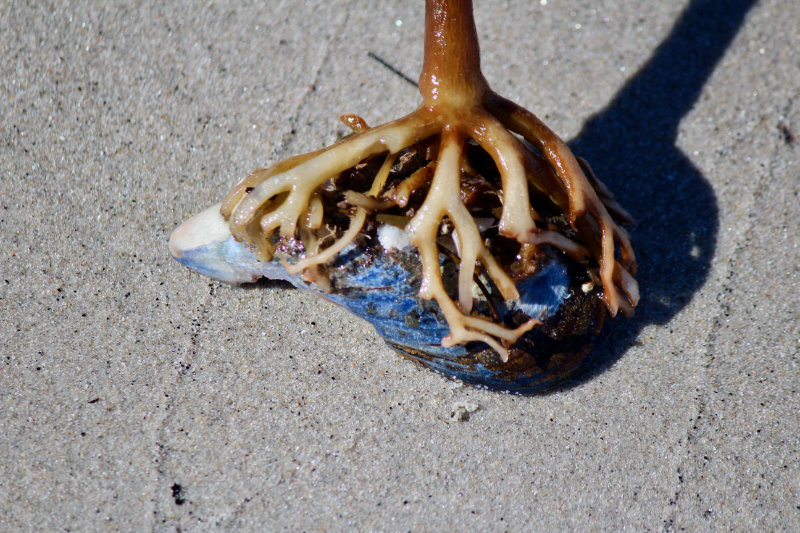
[(381, 286), (378, 290)]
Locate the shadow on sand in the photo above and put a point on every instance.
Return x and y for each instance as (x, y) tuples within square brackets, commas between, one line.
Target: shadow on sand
[(631, 146)]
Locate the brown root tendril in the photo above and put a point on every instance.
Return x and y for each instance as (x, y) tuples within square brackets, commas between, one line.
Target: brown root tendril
[(467, 160)]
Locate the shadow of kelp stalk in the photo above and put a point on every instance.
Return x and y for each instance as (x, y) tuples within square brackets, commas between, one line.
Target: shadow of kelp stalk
[(631, 146)]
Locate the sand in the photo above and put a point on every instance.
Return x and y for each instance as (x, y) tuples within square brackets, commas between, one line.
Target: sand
[(136, 395)]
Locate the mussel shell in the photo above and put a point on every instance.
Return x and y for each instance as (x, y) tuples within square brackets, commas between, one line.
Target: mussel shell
[(381, 286)]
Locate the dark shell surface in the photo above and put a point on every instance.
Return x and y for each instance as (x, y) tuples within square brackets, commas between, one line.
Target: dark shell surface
[(381, 284)]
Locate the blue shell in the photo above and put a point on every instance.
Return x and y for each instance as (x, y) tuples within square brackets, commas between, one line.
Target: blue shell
[(381, 287)]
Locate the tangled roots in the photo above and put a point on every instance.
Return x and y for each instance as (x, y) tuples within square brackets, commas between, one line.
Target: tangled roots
[(496, 173)]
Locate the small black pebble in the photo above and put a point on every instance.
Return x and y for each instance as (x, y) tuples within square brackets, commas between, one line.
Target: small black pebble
[(177, 494)]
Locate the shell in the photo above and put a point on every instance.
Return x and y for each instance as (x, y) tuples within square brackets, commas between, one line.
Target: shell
[(378, 279)]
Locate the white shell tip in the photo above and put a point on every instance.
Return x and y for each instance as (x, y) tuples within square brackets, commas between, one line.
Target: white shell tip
[(200, 230)]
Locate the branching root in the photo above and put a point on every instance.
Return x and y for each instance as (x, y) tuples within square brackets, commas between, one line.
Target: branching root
[(301, 199)]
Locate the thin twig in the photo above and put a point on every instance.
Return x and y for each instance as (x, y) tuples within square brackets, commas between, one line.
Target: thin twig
[(390, 67)]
